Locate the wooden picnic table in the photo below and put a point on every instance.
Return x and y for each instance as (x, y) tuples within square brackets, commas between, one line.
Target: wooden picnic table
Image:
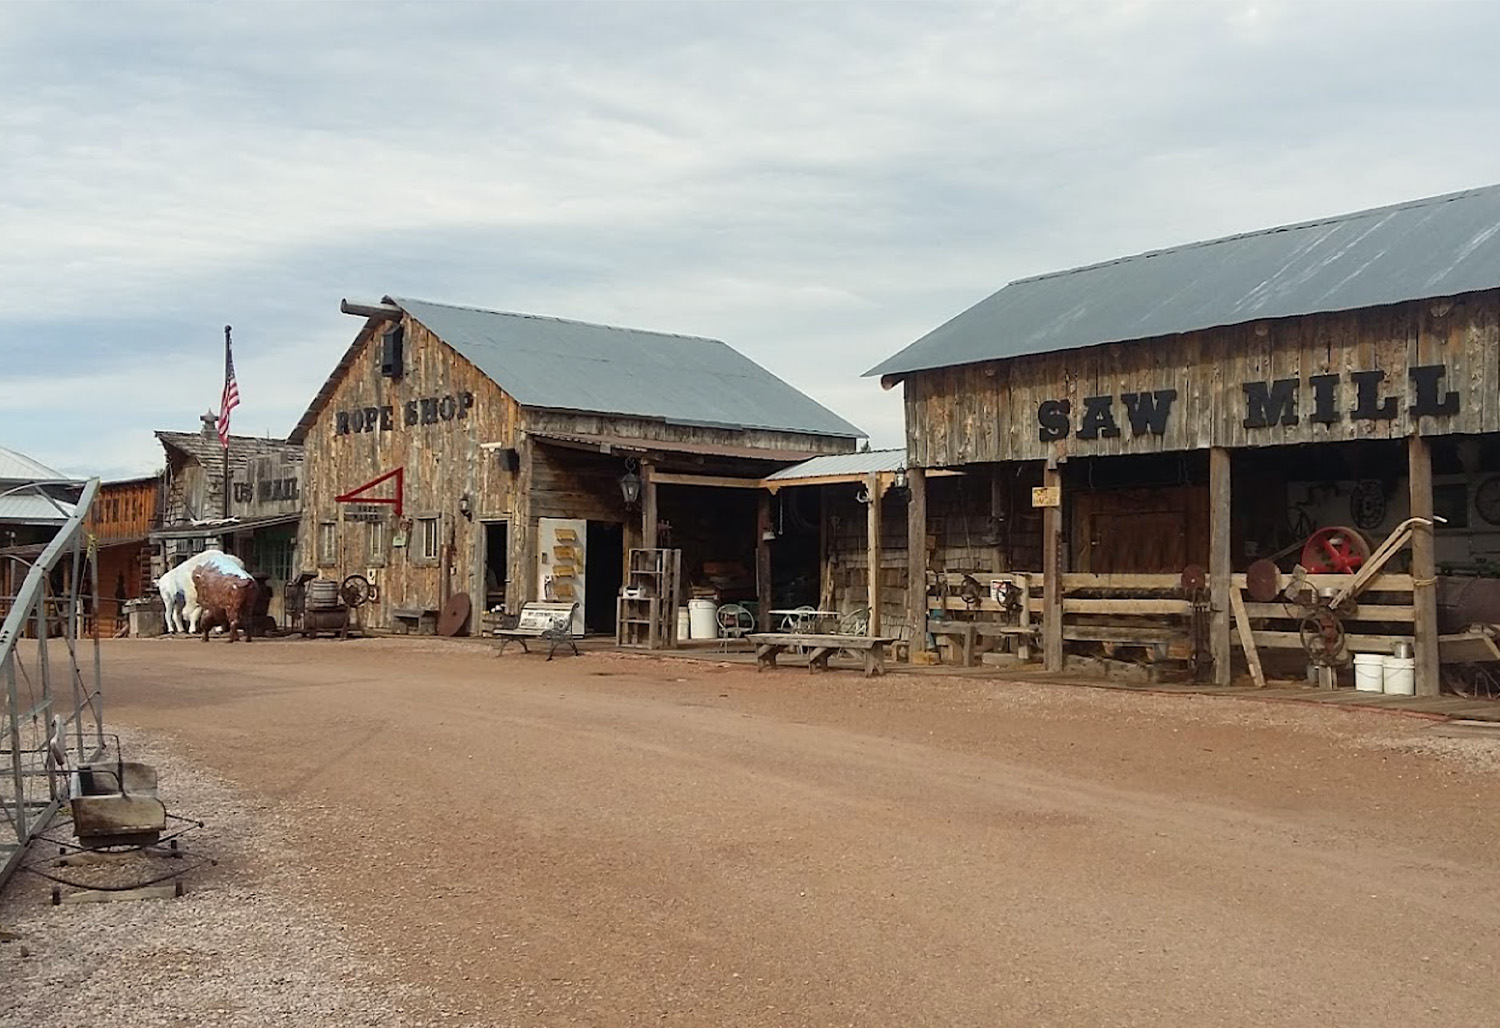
[(820, 646)]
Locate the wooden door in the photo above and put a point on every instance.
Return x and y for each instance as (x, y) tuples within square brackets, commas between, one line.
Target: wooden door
[(1143, 542)]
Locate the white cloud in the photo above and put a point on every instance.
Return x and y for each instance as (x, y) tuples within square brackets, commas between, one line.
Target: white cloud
[(816, 184)]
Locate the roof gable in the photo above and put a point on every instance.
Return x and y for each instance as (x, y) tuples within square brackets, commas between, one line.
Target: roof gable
[(577, 366), (1437, 246)]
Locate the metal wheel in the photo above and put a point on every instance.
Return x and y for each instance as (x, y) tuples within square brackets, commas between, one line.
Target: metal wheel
[(1335, 551), (1323, 638), (355, 590)]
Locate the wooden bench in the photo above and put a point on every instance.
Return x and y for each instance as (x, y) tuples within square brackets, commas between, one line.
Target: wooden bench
[(967, 632), (547, 620), (415, 620), (820, 647)]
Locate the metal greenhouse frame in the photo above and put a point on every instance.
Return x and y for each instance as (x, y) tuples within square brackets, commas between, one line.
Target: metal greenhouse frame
[(44, 676)]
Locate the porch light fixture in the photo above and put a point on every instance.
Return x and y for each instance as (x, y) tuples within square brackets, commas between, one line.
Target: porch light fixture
[(899, 479), (630, 484), (464, 506)]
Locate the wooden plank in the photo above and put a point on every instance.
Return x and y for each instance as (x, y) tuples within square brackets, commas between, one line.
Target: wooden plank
[(1140, 635), (1365, 611), (872, 547), (712, 481), (1388, 583), (916, 553), (1219, 566), (649, 516), (763, 560), (1247, 639), (1465, 648), (1075, 580), (1125, 606), (1052, 570), (1423, 570), (1354, 641)]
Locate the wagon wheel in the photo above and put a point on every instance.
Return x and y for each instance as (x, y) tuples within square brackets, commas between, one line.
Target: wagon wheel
[(355, 590), (1323, 638), (1334, 551)]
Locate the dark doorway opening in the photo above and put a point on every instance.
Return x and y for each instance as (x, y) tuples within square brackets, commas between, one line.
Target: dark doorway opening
[(496, 562), (604, 573)]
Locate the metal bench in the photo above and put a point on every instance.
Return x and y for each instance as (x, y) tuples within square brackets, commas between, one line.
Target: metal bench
[(819, 647), (549, 621)]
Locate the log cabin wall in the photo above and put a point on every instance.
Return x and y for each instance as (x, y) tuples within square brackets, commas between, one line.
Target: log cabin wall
[(430, 422), (1347, 376)]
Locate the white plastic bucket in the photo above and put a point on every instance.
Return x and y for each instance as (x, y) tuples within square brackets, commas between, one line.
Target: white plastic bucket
[(1401, 676), (1369, 672), (703, 619), (684, 623)]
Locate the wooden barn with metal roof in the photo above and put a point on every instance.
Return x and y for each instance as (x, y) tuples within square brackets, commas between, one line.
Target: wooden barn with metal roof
[(509, 457), (1167, 424)]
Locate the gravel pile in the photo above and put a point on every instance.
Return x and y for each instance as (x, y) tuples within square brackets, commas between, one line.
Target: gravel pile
[(243, 947)]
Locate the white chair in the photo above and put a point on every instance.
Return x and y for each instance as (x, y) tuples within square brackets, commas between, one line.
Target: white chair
[(735, 622)]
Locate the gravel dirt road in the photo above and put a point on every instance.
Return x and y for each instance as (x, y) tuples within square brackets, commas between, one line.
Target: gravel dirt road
[(620, 840)]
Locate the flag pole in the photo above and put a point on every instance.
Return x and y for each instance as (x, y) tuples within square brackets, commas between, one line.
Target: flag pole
[(224, 414)]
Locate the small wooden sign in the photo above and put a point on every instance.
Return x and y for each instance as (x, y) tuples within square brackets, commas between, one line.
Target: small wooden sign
[(1046, 496)]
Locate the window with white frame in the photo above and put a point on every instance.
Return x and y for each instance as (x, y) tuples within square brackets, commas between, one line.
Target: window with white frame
[(427, 539), (328, 543), (375, 544)]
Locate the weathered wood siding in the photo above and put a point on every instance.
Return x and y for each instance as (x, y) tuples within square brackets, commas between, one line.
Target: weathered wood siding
[(990, 412), (554, 422), (441, 458), (124, 510)]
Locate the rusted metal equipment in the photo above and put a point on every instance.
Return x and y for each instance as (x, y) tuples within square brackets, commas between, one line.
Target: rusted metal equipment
[(322, 605), (113, 815)]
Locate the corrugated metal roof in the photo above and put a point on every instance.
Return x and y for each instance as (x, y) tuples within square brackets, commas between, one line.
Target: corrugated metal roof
[(1438, 246), (840, 464), (573, 365), (17, 467), (31, 509)]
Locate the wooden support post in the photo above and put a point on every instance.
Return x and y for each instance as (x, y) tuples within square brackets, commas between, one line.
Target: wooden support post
[(916, 557), (1423, 571), (1219, 564), (649, 516), (1052, 571), (763, 561), (872, 486), (997, 516)]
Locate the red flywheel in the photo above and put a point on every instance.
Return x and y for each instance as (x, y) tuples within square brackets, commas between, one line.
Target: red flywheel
[(1334, 551)]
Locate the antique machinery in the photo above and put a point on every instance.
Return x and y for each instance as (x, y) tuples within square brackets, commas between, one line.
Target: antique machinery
[(1335, 550), (320, 605)]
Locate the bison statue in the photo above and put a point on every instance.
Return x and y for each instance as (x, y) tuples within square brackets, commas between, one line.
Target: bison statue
[(179, 596), (227, 594)]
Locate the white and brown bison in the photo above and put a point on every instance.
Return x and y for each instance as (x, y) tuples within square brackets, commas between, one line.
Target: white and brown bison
[(226, 594), (179, 596)]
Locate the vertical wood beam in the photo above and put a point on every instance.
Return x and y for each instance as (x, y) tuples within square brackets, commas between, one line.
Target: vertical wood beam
[(1423, 570), (649, 516), (916, 557), (872, 548), (997, 512), (825, 568), (763, 560), (1052, 569), (1219, 562)]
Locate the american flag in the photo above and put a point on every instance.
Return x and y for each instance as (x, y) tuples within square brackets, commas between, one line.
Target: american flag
[(231, 398)]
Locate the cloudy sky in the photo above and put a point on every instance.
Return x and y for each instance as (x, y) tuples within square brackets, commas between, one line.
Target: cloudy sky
[(817, 184)]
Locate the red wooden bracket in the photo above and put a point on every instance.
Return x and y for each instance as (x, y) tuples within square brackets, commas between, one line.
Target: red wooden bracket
[(358, 495)]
